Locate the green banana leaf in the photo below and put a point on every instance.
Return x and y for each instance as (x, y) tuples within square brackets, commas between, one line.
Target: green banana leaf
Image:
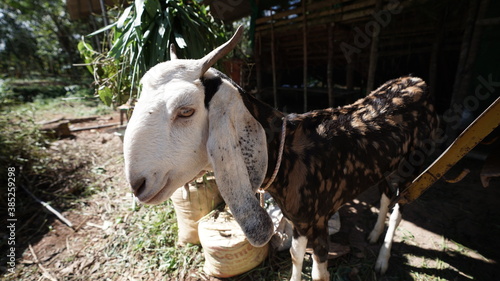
[(140, 38)]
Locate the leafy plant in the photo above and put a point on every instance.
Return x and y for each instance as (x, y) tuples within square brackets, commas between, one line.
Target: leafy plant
[(140, 38)]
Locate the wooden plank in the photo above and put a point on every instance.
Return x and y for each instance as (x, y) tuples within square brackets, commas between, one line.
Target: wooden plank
[(298, 11), (94, 127), (52, 121), (316, 6), (353, 12), (276, 16), (70, 120), (342, 12), (372, 66)]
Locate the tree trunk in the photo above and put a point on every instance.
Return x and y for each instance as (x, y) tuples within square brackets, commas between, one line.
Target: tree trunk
[(329, 72)]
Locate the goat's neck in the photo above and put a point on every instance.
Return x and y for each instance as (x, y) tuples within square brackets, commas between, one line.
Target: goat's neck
[(272, 121)]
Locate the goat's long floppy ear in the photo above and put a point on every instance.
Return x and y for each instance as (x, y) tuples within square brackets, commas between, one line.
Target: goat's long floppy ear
[(238, 151), (221, 51)]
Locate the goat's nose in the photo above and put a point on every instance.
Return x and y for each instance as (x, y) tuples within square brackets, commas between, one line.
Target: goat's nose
[(138, 186)]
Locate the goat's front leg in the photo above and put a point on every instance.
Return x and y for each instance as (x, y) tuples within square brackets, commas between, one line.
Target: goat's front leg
[(385, 251), (298, 250)]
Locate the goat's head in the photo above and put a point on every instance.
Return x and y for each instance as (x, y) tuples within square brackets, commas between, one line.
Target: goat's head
[(180, 127)]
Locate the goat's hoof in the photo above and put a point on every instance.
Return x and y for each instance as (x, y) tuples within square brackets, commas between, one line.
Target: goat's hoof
[(381, 266), (323, 278)]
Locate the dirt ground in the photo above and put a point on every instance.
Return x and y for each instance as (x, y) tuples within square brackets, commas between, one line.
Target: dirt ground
[(450, 233)]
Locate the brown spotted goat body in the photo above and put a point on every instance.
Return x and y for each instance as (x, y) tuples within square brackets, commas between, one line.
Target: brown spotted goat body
[(190, 118), (332, 155)]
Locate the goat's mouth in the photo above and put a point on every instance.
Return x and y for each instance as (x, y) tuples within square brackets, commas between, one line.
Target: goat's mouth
[(154, 197)]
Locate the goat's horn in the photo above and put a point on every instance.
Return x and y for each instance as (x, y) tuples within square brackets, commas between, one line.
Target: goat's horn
[(173, 55), (221, 51)]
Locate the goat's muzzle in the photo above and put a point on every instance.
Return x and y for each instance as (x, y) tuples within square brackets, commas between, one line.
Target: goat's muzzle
[(138, 186)]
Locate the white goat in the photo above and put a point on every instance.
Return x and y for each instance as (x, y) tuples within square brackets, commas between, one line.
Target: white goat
[(190, 118)]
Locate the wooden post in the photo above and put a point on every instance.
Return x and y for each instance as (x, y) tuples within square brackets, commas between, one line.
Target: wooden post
[(258, 64), (436, 47), (273, 63), (349, 77), (464, 49), (473, 50), (468, 56), (304, 42), (329, 71), (372, 67)]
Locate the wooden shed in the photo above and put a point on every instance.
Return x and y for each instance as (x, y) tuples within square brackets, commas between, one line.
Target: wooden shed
[(313, 54)]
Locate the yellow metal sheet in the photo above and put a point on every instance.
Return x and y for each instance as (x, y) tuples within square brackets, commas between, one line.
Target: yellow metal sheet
[(468, 139)]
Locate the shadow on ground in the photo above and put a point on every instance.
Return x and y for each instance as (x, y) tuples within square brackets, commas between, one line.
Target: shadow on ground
[(450, 232)]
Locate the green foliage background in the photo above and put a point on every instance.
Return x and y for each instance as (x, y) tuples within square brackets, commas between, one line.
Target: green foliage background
[(140, 38), (38, 39)]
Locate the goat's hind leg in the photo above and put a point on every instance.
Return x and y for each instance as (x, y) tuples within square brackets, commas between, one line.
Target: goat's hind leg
[(320, 258), (385, 251), (382, 214), (320, 269)]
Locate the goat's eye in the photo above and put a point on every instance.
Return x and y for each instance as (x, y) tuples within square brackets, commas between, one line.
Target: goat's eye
[(185, 112)]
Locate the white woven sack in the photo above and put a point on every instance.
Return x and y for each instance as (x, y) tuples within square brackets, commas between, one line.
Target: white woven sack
[(227, 251), (190, 207)]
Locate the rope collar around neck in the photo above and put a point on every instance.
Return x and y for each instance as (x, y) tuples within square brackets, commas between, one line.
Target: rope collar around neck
[(262, 190)]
